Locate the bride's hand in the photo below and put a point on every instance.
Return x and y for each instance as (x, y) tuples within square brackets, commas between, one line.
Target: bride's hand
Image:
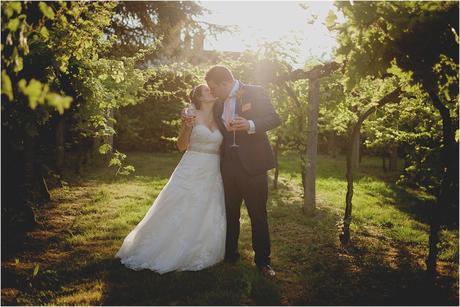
[(187, 120)]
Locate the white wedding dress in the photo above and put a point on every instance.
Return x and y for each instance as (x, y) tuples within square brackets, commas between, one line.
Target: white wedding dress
[(184, 229)]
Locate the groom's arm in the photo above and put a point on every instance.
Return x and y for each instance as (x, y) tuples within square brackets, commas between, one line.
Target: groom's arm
[(266, 117)]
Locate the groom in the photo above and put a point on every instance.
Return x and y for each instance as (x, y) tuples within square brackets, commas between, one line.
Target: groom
[(247, 110)]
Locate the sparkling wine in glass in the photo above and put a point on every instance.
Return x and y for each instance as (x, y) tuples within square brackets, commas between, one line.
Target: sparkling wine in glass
[(234, 131), (190, 111)]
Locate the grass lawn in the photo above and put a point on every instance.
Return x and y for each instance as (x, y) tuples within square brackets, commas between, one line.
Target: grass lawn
[(72, 251)]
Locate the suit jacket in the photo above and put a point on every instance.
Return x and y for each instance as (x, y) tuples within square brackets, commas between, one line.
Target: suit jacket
[(254, 151)]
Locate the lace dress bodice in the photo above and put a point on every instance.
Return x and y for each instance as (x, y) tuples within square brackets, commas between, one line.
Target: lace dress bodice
[(202, 139)]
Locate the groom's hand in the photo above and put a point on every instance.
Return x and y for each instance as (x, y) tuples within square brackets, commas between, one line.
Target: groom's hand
[(240, 124)]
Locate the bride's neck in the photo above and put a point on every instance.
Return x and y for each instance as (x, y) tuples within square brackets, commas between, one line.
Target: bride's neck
[(205, 107)]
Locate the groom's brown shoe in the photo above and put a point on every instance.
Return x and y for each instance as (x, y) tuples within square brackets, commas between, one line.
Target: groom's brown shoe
[(267, 270)]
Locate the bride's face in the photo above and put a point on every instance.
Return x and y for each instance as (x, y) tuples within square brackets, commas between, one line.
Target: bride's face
[(206, 95)]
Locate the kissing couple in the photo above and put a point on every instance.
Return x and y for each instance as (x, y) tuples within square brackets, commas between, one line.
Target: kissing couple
[(194, 222)]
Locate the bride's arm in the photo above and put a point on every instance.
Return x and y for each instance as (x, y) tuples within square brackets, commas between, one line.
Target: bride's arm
[(184, 137), (184, 133)]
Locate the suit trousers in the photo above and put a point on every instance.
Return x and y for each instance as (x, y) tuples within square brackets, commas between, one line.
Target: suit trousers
[(239, 186)]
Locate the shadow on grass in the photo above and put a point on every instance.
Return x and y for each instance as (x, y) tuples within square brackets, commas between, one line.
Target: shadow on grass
[(312, 268), (414, 205), (223, 284), (391, 275), (369, 272)]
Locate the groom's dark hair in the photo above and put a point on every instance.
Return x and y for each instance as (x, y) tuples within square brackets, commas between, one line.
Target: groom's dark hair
[(218, 74)]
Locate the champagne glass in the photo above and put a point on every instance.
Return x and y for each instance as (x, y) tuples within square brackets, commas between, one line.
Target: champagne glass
[(234, 131), (190, 111)]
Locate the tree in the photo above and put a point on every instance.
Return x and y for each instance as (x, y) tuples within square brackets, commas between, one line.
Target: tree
[(39, 46), (372, 43), (392, 97), (417, 137), (152, 123), (56, 90), (138, 24)]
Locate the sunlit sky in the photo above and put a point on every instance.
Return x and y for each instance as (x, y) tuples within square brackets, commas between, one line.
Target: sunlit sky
[(259, 21)]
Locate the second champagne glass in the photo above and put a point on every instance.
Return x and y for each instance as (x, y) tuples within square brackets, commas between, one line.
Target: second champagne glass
[(234, 131)]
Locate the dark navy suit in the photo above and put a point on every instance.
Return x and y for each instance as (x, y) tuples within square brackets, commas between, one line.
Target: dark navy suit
[(244, 170)]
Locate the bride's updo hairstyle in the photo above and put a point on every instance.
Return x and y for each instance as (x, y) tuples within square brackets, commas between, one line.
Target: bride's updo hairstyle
[(195, 95)]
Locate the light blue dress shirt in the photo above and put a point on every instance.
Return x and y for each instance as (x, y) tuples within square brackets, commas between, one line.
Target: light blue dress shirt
[(232, 97)]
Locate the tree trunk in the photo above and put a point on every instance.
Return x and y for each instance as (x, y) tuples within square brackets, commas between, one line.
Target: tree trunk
[(60, 139), (96, 144), (448, 194), (393, 158), (29, 169), (85, 152), (345, 234), (27, 194), (43, 191), (312, 145), (351, 156), (276, 152), (356, 142), (384, 163), (331, 146)]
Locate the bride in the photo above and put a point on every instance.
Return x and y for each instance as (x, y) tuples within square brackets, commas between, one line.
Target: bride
[(185, 228)]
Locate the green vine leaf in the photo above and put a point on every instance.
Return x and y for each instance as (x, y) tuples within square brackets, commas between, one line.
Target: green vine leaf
[(46, 10), (7, 87)]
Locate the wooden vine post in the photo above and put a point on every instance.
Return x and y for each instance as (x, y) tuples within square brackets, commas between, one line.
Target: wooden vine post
[(310, 155)]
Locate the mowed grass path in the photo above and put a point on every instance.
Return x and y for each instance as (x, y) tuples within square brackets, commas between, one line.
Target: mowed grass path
[(72, 252)]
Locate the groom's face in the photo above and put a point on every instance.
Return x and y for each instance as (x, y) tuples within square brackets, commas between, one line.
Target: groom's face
[(220, 90)]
